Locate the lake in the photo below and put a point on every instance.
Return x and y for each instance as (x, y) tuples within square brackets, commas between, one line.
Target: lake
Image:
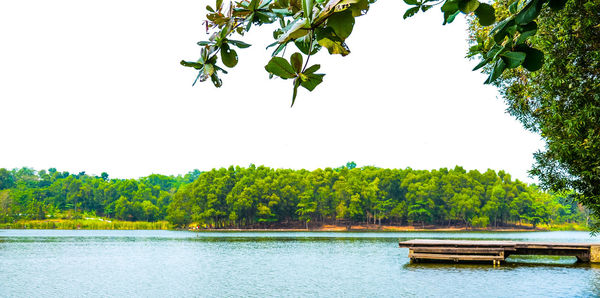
[(58, 263)]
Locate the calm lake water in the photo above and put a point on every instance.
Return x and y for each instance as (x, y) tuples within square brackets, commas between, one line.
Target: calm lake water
[(253, 264)]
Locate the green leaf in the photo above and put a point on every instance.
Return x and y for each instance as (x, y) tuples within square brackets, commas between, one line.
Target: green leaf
[(557, 4), (450, 10), (411, 2), (529, 12), (481, 64), (513, 59), (307, 8), (327, 10), (282, 11), (209, 69), (253, 4), (493, 53), (410, 12), (303, 44), (249, 20), (296, 60), (500, 30), (312, 69), (273, 44), (220, 69), (486, 14), (296, 84), (280, 47), (265, 17), (228, 56), (223, 33), (295, 29), (204, 43), (209, 8), (526, 30), (312, 81), (531, 26), (449, 17), (216, 80), (281, 68), (239, 44), (450, 6), (534, 59), (359, 7), (468, 6), (341, 23), (499, 67), (327, 38), (198, 77), (474, 50), (264, 4), (195, 65), (513, 7)]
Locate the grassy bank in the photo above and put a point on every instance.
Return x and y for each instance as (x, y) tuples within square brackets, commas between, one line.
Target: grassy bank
[(87, 224), (565, 227)]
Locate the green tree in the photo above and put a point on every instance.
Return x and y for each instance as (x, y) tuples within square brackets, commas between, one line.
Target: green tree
[(465, 207), (123, 208), (561, 101), (6, 206), (150, 211), (6, 179), (306, 208)]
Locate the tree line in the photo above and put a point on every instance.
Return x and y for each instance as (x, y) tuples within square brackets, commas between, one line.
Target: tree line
[(238, 197)]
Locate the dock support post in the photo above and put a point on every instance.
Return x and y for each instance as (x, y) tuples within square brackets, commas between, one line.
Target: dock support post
[(595, 254)]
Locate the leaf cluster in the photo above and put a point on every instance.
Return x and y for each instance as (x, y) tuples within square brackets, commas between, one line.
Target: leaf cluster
[(507, 45), (308, 25), (311, 25), (302, 76)]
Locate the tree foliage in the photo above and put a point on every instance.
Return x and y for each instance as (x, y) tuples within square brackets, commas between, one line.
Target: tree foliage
[(53, 194), (239, 197), (561, 101), (311, 25)]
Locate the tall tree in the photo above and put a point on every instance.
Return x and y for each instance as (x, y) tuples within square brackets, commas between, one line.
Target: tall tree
[(561, 101)]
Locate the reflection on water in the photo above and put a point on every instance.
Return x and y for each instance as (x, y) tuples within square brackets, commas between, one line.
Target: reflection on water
[(172, 263)]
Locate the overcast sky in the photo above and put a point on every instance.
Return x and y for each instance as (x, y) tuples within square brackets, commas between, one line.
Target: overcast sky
[(96, 86)]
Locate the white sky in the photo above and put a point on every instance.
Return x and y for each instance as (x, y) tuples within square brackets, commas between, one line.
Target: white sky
[(96, 86)]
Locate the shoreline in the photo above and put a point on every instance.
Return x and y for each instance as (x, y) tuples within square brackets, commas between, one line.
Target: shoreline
[(102, 224), (391, 229)]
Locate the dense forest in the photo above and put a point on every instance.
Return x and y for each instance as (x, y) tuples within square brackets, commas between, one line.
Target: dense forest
[(238, 197)]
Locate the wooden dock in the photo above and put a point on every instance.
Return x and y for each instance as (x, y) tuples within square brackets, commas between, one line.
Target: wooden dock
[(495, 251)]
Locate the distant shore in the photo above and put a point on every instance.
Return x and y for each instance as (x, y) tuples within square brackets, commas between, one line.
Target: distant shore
[(107, 224), (390, 228), (360, 228)]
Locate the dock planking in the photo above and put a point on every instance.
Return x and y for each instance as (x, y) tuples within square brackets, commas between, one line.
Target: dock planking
[(495, 251)]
